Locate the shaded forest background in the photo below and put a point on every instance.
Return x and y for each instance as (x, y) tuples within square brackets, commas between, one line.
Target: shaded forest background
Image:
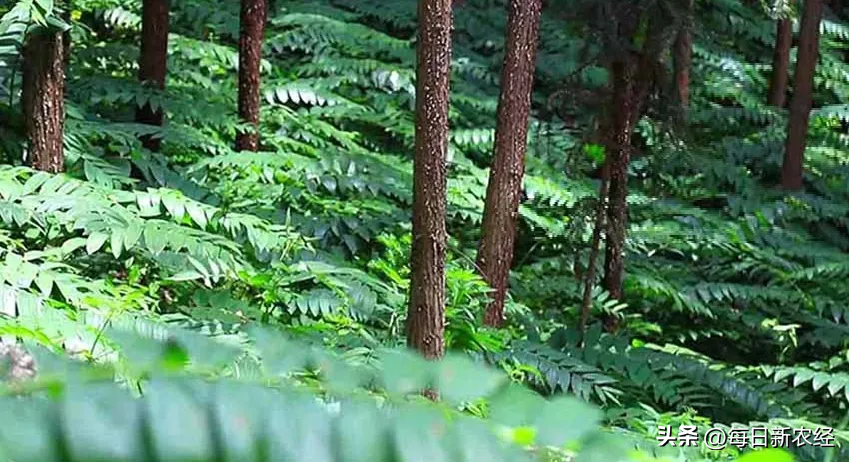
[(222, 224)]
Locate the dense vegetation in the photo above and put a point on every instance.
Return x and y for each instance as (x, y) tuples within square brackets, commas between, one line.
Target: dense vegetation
[(185, 300)]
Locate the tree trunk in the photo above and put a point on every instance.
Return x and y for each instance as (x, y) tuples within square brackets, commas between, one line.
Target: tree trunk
[(645, 65), (800, 103), (595, 245), (633, 77), (780, 63), (619, 150), (683, 58), (501, 209), (426, 316), (153, 62), (251, 30), (43, 100)]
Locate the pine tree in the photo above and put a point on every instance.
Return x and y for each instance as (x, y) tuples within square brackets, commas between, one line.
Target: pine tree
[(505, 178), (251, 30), (800, 103), (153, 62), (42, 98), (426, 314)]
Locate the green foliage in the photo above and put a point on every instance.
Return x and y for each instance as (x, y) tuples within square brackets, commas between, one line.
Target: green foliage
[(156, 268)]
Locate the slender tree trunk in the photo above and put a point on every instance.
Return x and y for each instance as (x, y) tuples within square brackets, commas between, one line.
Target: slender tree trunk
[(683, 58), (501, 209), (619, 151), (43, 100), (251, 31), (780, 63), (633, 77), (153, 62), (800, 103), (426, 315), (595, 246)]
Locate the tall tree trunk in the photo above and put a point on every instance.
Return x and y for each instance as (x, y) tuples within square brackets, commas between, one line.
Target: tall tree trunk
[(153, 62), (251, 31), (43, 99), (501, 209), (780, 63), (683, 58), (619, 151), (426, 314), (800, 103), (633, 77)]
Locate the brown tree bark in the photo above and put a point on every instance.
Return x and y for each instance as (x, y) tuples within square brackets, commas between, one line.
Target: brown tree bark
[(780, 63), (153, 62), (504, 189), (633, 77), (683, 58), (426, 313), (43, 100), (800, 103), (625, 93), (251, 30)]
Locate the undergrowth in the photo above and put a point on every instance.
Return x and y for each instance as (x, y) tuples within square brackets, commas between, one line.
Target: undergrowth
[(735, 295)]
